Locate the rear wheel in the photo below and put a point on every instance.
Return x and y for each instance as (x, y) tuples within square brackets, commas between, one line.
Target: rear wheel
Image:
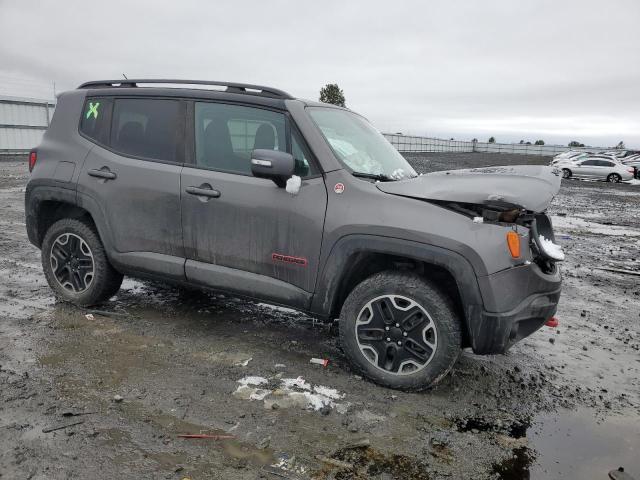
[(76, 265), (566, 173), (614, 178), (400, 331)]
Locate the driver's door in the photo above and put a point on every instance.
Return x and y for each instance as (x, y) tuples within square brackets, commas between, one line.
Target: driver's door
[(241, 233)]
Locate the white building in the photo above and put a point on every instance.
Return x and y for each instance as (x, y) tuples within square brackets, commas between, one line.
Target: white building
[(23, 121)]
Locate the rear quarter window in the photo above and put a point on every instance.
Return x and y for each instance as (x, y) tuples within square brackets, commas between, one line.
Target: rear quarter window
[(95, 119)]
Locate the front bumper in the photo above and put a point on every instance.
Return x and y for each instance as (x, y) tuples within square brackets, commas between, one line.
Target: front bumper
[(517, 302)]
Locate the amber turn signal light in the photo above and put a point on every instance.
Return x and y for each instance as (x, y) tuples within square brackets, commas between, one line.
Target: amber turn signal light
[(513, 242)]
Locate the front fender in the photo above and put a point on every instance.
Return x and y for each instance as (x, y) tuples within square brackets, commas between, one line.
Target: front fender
[(333, 270)]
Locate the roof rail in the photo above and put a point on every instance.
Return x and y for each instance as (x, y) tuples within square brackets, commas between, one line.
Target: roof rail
[(231, 87)]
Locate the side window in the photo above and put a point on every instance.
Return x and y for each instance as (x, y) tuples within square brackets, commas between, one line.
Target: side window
[(95, 120), (226, 135), (589, 163), (146, 128), (604, 163)]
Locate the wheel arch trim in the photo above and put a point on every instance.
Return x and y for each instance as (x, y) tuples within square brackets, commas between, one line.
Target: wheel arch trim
[(346, 249)]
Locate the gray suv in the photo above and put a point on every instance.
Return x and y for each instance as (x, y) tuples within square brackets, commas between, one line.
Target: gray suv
[(247, 190)]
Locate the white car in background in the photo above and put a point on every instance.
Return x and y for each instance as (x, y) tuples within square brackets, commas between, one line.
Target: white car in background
[(571, 158), (567, 155), (597, 168)]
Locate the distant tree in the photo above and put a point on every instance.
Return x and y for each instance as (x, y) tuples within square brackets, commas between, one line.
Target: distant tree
[(492, 140), (573, 143), (528, 143), (620, 145), (539, 142), (521, 142), (331, 93), (475, 140), (451, 138)]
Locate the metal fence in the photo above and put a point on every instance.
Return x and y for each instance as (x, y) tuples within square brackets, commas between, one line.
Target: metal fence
[(408, 144), (23, 121)]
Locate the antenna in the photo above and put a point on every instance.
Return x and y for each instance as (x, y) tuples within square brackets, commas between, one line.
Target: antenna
[(125, 77)]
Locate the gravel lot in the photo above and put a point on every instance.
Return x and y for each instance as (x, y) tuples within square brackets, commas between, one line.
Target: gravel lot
[(564, 403)]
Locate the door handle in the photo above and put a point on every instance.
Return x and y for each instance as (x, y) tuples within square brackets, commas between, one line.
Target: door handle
[(203, 191), (104, 172)]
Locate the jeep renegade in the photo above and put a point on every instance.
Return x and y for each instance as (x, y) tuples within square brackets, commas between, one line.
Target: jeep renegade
[(247, 190)]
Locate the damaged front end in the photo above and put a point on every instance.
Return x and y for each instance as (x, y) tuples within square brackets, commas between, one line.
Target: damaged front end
[(545, 252), (521, 288), (511, 196)]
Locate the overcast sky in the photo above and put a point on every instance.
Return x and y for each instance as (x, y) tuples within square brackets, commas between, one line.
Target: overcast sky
[(556, 70)]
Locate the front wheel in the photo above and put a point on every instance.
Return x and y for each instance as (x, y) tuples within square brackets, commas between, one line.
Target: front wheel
[(566, 173), (400, 331), (76, 265), (614, 178)]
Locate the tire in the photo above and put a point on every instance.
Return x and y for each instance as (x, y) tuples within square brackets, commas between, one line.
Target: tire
[(566, 173), (614, 178), (430, 316), (75, 264)]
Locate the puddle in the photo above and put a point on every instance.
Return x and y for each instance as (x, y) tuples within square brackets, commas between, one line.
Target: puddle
[(476, 424), (575, 445)]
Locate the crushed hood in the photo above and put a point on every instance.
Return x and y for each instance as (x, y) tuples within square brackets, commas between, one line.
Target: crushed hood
[(529, 186)]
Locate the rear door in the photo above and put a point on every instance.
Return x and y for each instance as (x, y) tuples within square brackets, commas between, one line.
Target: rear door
[(248, 235), (605, 168), (586, 169), (133, 174)]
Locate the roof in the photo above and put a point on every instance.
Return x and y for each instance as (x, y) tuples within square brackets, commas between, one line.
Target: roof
[(241, 92)]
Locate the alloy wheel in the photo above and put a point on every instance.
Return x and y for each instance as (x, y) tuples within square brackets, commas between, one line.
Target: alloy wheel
[(72, 262), (396, 334)]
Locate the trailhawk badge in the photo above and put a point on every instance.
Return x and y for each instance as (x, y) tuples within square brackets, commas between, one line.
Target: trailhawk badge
[(338, 188)]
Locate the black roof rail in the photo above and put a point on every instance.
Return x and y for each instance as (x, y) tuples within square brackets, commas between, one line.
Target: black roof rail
[(231, 86)]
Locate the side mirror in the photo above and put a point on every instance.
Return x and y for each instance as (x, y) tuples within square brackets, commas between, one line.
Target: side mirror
[(278, 166)]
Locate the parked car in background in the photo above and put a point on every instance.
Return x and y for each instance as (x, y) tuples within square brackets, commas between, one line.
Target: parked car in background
[(571, 159), (568, 155), (597, 168), (633, 161)]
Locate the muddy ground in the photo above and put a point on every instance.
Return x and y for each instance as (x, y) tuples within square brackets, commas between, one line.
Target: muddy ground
[(117, 389)]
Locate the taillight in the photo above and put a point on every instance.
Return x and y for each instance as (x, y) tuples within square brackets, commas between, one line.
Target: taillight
[(631, 170), (33, 158)]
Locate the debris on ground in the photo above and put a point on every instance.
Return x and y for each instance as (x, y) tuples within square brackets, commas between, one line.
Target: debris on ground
[(60, 427), (620, 474), (290, 392), (320, 361)]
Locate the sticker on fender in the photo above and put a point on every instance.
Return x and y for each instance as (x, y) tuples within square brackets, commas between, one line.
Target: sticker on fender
[(338, 188)]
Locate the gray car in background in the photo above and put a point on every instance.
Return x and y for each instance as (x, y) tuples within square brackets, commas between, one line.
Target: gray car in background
[(250, 191)]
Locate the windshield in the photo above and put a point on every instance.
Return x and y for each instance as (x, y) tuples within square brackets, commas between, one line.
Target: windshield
[(360, 146)]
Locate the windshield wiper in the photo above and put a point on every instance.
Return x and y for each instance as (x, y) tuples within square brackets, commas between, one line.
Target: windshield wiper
[(373, 176)]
